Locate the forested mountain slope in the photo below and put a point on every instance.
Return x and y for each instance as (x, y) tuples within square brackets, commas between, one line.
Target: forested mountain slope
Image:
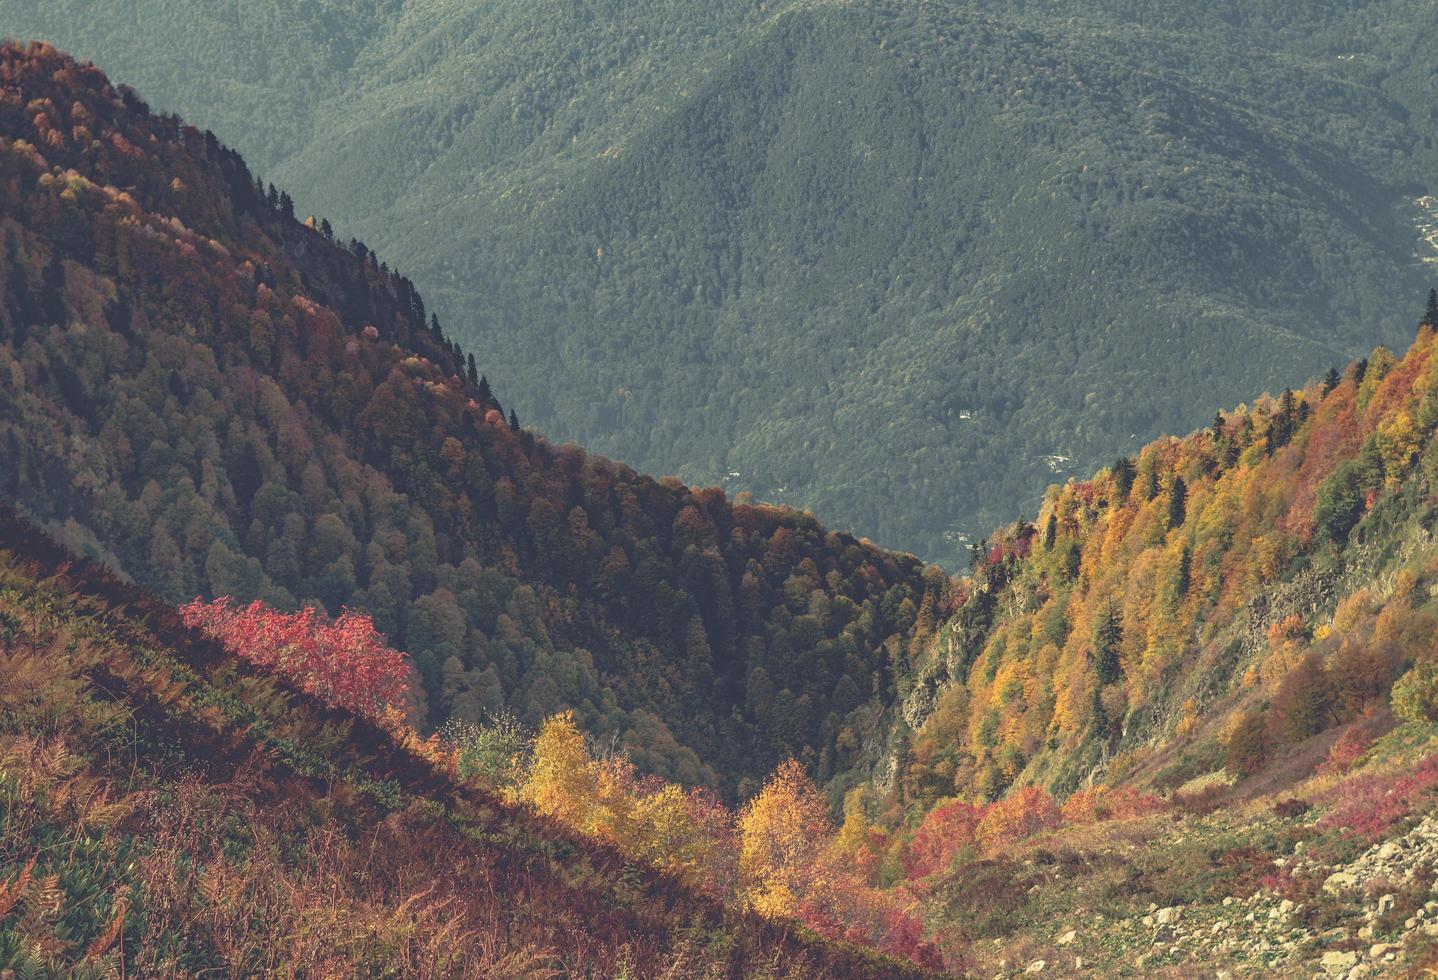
[(169, 810), (900, 262), (1217, 601), (216, 399)]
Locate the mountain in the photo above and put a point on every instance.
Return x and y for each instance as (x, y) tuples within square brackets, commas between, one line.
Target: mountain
[(174, 812), (213, 398), (1271, 575), (896, 262)]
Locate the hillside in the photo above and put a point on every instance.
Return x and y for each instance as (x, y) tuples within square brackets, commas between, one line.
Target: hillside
[(170, 811), (215, 399), (1269, 575), (896, 262)]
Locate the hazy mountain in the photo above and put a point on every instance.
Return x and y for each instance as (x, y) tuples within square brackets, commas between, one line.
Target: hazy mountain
[(899, 262)]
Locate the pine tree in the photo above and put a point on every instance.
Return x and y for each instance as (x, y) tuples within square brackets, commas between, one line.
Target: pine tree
[(1430, 315), (1177, 502), (1280, 430), (1331, 382), (485, 395), (513, 420), (1185, 572), (473, 372), (1217, 427), (434, 328), (1050, 532), (1123, 473), (1107, 638)]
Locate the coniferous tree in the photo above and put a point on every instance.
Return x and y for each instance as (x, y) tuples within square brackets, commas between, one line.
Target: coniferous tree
[(1185, 572), (1430, 315), (485, 395), (1280, 430), (473, 372), (1123, 473), (513, 420), (1217, 427), (1107, 638), (1050, 532), (52, 293), (1331, 382), (1359, 370), (434, 328), (1177, 502)]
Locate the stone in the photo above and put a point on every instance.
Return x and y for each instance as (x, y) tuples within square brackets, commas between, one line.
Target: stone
[(1338, 962), (1385, 903), (1286, 907), (1068, 937), (1389, 851), (1037, 966), (1340, 880), (1378, 950)]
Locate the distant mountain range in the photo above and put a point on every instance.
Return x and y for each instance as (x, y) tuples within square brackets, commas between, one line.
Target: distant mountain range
[(902, 263)]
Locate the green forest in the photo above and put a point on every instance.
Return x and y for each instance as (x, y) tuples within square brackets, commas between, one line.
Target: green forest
[(900, 263)]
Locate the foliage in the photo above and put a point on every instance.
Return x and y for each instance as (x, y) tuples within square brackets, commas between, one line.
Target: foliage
[(343, 662), (1415, 695), (169, 809)]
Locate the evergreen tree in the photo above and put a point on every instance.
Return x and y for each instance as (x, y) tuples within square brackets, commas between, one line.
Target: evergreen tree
[(1430, 315), (1050, 532), (1359, 370), (434, 328), (473, 372), (513, 420), (52, 293), (1108, 636), (485, 395), (1177, 502), (1217, 427), (1331, 382), (1280, 429), (1185, 572), (1123, 473)]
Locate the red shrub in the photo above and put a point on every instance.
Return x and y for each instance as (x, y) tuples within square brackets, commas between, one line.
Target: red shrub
[(344, 662), (946, 830), (1368, 805)]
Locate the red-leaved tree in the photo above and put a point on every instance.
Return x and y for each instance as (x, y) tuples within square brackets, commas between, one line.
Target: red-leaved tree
[(343, 661)]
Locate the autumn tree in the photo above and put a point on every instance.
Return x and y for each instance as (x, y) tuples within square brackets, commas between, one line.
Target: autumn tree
[(782, 832)]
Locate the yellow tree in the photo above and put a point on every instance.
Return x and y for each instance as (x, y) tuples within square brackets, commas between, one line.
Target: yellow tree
[(782, 834), (561, 782)]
